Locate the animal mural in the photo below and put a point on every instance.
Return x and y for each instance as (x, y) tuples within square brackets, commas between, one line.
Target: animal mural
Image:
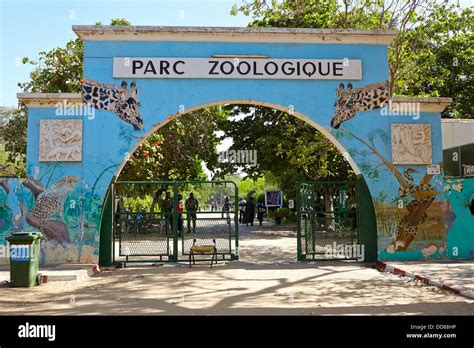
[(46, 214), (14, 202), (351, 101), (459, 207), (124, 103), (67, 215), (6, 215), (422, 195)]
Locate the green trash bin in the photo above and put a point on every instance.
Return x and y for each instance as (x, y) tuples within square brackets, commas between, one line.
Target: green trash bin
[(25, 258)]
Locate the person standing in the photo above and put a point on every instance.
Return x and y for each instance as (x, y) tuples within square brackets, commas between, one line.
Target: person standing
[(250, 212), (192, 207), (242, 205), (227, 208), (180, 214), (260, 212), (166, 209)]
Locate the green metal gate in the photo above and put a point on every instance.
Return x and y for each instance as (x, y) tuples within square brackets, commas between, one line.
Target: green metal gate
[(151, 222), (327, 223)]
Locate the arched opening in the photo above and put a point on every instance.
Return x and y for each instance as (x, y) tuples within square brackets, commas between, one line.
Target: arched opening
[(364, 215)]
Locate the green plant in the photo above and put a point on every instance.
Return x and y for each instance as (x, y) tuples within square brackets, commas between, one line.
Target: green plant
[(280, 213)]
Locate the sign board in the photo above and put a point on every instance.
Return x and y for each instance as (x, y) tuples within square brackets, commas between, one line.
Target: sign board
[(459, 161), (468, 170), (273, 198), (237, 68), (433, 169)]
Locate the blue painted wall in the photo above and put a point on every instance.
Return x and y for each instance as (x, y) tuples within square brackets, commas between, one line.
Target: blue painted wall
[(459, 194), (107, 139)]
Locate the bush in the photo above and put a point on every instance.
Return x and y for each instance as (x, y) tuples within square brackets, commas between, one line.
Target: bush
[(286, 215)]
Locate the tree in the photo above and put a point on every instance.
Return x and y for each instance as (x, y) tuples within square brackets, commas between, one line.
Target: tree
[(325, 14), (441, 59), (57, 71), (178, 150), (61, 69), (288, 149), (13, 139), (431, 54)]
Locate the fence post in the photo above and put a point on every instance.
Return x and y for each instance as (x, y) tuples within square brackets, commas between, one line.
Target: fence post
[(298, 222), (236, 220), (175, 222)]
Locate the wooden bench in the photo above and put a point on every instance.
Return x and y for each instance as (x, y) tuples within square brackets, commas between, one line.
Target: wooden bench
[(203, 250)]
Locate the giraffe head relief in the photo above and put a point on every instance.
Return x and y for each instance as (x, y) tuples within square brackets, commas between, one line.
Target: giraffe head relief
[(344, 106), (350, 101), (123, 102), (127, 106)]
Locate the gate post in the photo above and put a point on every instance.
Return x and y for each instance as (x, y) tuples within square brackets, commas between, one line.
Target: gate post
[(106, 231), (299, 256), (236, 220), (366, 221)]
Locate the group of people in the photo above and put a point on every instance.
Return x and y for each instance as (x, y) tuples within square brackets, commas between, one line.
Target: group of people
[(191, 205), (247, 210)]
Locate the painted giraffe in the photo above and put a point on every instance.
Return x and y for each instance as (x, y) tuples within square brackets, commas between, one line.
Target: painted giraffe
[(349, 102), (423, 194), (113, 98)]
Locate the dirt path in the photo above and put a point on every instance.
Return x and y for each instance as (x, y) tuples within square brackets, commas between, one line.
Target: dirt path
[(266, 280)]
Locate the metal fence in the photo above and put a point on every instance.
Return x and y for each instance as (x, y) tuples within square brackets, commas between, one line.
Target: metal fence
[(157, 221), (327, 227)]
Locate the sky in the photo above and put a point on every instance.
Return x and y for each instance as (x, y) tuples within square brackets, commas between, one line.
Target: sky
[(30, 26)]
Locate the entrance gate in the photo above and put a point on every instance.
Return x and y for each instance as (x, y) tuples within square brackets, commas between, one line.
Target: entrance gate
[(327, 220), (152, 222)]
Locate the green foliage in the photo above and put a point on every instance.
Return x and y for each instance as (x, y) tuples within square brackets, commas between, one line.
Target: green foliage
[(255, 188), (13, 139), (178, 149), (288, 149), (432, 54), (439, 59), (6, 168), (61, 69), (285, 214), (326, 14), (138, 204), (57, 71), (120, 21)]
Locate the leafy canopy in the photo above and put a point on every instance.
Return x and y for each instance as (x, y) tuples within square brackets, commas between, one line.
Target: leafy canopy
[(432, 54)]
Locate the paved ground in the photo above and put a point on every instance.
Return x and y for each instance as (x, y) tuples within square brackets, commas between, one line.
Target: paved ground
[(266, 280)]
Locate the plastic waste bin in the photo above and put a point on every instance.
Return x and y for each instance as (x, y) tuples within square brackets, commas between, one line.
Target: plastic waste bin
[(25, 258)]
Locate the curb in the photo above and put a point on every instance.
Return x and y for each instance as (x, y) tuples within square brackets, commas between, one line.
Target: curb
[(63, 275), (384, 267), (75, 276)]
